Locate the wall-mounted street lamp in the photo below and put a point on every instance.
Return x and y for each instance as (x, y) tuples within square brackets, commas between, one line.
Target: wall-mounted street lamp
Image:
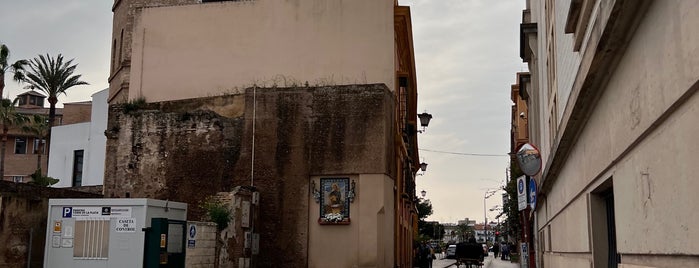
[(423, 168), (424, 121), (423, 193)]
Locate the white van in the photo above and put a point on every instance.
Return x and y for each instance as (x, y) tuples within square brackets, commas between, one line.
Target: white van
[(451, 252)]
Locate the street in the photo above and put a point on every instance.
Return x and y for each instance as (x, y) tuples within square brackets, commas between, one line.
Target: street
[(489, 262)]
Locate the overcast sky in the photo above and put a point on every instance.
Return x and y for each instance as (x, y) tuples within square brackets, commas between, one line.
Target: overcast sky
[(466, 52)]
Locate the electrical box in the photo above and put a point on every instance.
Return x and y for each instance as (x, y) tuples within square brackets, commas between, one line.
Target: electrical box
[(96, 233)]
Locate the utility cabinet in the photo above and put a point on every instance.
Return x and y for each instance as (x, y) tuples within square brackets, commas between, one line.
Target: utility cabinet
[(117, 232)]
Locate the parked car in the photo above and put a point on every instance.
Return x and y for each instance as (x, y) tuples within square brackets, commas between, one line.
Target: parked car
[(451, 252)]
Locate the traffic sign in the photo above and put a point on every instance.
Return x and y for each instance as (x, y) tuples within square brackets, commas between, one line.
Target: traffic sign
[(532, 193), (522, 192)]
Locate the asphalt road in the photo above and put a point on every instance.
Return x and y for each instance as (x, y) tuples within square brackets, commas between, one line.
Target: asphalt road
[(489, 262)]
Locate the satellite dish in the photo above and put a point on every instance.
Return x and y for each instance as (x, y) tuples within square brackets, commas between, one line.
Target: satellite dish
[(529, 159)]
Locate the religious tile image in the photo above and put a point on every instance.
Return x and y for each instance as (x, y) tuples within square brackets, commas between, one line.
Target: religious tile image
[(334, 205)]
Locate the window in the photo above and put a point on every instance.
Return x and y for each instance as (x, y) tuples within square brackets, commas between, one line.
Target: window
[(91, 239), (32, 100), (22, 100), (78, 168), (40, 101), (18, 178), (37, 145), (20, 145)]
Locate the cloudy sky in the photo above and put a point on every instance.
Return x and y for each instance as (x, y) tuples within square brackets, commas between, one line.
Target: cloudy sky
[(467, 54)]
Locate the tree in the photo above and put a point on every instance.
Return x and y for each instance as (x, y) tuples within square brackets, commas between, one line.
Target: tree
[(464, 231), (53, 77), (424, 210), (17, 68), (513, 223), (38, 126), (9, 117)]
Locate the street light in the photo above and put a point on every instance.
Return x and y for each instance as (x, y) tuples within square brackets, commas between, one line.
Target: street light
[(423, 193), (488, 193), (424, 121)]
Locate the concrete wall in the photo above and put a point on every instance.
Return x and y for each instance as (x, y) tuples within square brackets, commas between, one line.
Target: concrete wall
[(67, 139), (202, 254), (199, 50), (368, 240), (641, 136), (97, 142), (87, 136), (187, 150)]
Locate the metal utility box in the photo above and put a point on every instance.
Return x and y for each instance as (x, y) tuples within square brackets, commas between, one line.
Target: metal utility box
[(117, 232)]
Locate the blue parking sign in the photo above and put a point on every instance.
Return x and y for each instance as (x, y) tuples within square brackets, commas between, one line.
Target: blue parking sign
[(67, 212)]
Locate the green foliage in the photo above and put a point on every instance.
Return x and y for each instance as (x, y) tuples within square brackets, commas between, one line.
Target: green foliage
[(42, 180), (217, 212), (16, 68), (424, 209), (465, 231), (135, 105), (513, 223)]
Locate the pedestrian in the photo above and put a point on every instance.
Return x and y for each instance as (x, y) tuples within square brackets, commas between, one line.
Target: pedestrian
[(430, 255), (505, 252), (496, 249)]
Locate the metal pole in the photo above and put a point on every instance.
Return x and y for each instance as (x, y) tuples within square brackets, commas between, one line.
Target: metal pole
[(29, 254), (485, 219)]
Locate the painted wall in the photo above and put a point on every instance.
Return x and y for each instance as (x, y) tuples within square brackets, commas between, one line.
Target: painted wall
[(66, 139), (199, 50), (654, 85), (368, 240)]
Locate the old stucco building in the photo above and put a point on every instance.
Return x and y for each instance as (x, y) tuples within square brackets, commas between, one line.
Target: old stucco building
[(280, 95), (613, 107)]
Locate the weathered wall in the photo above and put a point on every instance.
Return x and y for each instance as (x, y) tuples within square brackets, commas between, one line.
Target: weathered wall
[(186, 150), (23, 209)]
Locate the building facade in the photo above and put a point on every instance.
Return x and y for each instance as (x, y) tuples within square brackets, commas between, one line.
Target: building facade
[(78, 147), (612, 106), (235, 91), (24, 151)]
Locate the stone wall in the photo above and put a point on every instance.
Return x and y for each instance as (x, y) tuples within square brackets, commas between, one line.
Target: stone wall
[(189, 149), (23, 214)]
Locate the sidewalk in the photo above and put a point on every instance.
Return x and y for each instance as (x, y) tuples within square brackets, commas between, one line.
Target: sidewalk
[(488, 262), (491, 262)]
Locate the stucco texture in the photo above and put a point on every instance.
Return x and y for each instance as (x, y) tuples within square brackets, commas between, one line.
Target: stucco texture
[(222, 47)]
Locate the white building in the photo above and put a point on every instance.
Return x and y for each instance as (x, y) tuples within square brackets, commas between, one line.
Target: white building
[(78, 150)]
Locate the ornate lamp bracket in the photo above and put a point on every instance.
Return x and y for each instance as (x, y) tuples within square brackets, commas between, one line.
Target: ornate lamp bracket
[(315, 192), (351, 193)]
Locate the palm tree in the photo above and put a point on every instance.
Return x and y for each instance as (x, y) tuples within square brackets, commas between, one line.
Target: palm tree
[(53, 77), (38, 126), (16, 68), (9, 117)]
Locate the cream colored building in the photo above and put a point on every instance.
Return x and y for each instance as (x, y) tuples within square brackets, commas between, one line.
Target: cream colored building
[(614, 109), (174, 50)]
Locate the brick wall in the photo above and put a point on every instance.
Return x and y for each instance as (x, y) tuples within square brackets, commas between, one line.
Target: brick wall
[(76, 112)]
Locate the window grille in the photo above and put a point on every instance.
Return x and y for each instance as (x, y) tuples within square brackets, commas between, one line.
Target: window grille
[(91, 239)]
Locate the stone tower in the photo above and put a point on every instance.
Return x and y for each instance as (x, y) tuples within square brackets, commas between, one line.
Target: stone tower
[(125, 13)]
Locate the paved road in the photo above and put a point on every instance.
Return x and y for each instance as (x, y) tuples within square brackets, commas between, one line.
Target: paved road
[(489, 262)]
